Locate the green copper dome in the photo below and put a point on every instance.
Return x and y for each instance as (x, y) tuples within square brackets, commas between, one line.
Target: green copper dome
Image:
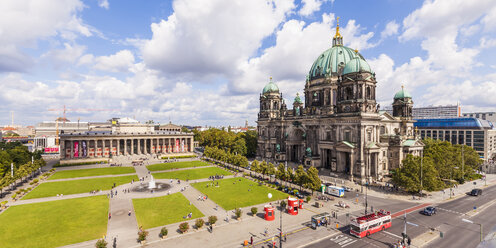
[(402, 94), (356, 65), (297, 98), (329, 61), (270, 87)]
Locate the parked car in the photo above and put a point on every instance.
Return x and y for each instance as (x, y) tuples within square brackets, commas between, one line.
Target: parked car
[(348, 189), (428, 211), (476, 192)]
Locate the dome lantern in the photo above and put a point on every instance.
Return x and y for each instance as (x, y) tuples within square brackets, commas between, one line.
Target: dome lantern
[(271, 87), (402, 94), (337, 40)]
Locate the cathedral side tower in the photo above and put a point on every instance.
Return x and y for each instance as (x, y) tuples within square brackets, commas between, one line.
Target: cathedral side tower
[(271, 101)]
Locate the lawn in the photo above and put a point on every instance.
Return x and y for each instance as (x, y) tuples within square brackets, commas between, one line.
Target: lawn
[(191, 174), (175, 165), (77, 186), (164, 210), (54, 223), (92, 172), (238, 192)]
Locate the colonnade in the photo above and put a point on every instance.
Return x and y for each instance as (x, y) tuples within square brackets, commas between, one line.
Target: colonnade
[(94, 147)]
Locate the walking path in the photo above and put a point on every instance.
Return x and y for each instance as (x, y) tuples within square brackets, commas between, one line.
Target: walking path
[(207, 207)]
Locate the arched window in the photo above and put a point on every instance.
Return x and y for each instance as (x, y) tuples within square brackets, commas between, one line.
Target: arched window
[(368, 93)]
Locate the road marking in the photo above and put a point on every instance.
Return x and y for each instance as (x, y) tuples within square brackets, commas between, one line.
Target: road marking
[(343, 240), (409, 210), (392, 234), (451, 211), (350, 243)]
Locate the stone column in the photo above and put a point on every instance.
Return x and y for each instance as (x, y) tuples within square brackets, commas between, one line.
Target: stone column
[(72, 149), (79, 148), (132, 147), (145, 146), (118, 146), (125, 147), (111, 146), (103, 147), (139, 146)]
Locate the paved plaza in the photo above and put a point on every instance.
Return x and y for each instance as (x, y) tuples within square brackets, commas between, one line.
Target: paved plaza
[(122, 223)]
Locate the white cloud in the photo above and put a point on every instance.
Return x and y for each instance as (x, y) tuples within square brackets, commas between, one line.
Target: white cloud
[(310, 6), (122, 61), (390, 29), (103, 3), (66, 56), (23, 23), (208, 37), (296, 48)]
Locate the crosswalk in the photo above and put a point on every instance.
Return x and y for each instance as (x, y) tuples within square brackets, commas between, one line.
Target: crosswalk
[(343, 240)]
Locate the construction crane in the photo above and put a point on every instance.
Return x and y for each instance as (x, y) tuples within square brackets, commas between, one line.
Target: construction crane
[(64, 119)]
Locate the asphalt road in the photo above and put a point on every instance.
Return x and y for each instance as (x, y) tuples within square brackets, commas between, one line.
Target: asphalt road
[(448, 220)]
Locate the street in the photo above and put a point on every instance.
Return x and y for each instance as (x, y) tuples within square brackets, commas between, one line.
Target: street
[(448, 219)]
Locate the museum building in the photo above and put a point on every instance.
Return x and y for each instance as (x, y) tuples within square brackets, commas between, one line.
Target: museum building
[(338, 126)]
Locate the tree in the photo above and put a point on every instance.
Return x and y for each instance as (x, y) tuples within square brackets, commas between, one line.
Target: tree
[(251, 142), (313, 182), (101, 243), (301, 176), (408, 176), (281, 172), (271, 170), (255, 166), (239, 146)]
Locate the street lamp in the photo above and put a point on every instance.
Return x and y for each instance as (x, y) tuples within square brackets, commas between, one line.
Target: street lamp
[(280, 221), (451, 181), (480, 224)]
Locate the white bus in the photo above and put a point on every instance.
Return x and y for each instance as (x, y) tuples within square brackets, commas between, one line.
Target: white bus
[(335, 191)]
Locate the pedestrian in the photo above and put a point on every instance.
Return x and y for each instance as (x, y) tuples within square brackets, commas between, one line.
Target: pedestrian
[(251, 240), (266, 231), (110, 216), (129, 214)]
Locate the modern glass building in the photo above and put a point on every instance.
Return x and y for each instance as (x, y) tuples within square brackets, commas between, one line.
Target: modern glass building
[(476, 133)]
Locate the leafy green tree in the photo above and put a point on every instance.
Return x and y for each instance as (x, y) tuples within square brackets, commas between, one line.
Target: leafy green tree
[(301, 176), (251, 142), (239, 146), (281, 172), (255, 166), (313, 181), (408, 176)]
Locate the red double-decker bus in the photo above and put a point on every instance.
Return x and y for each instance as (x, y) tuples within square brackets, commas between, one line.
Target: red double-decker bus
[(371, 223)]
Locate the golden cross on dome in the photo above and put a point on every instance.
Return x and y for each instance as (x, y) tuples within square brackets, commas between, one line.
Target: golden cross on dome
[(270, 78), (338, 35)]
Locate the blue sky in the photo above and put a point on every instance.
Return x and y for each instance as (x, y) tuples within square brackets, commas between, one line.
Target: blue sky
[(204, 62)]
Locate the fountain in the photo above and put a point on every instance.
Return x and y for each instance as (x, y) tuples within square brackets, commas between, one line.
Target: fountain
[(151, 186)]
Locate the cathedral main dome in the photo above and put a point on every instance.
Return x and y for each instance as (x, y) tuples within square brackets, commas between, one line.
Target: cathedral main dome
[(331, 61)]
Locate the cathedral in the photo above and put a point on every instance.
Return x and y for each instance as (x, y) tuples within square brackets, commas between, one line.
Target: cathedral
[(338, 126)]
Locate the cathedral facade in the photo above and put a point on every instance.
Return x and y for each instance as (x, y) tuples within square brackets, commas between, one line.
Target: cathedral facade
[(338, 126)]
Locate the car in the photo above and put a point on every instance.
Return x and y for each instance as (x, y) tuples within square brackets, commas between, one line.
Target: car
[(348, 189), (476, 192), (428, 211)]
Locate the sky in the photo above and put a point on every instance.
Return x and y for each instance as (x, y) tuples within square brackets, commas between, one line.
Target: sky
[(205, 62)]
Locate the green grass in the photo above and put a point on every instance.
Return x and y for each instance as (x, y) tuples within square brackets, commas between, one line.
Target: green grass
[(164, 210), (92, 172), (54, 223), (77, 186), (191, 174), (233, 193), (175, 165)]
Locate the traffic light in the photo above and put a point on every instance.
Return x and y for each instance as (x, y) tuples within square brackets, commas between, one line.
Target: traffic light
[(403, 235), (441, 234)]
